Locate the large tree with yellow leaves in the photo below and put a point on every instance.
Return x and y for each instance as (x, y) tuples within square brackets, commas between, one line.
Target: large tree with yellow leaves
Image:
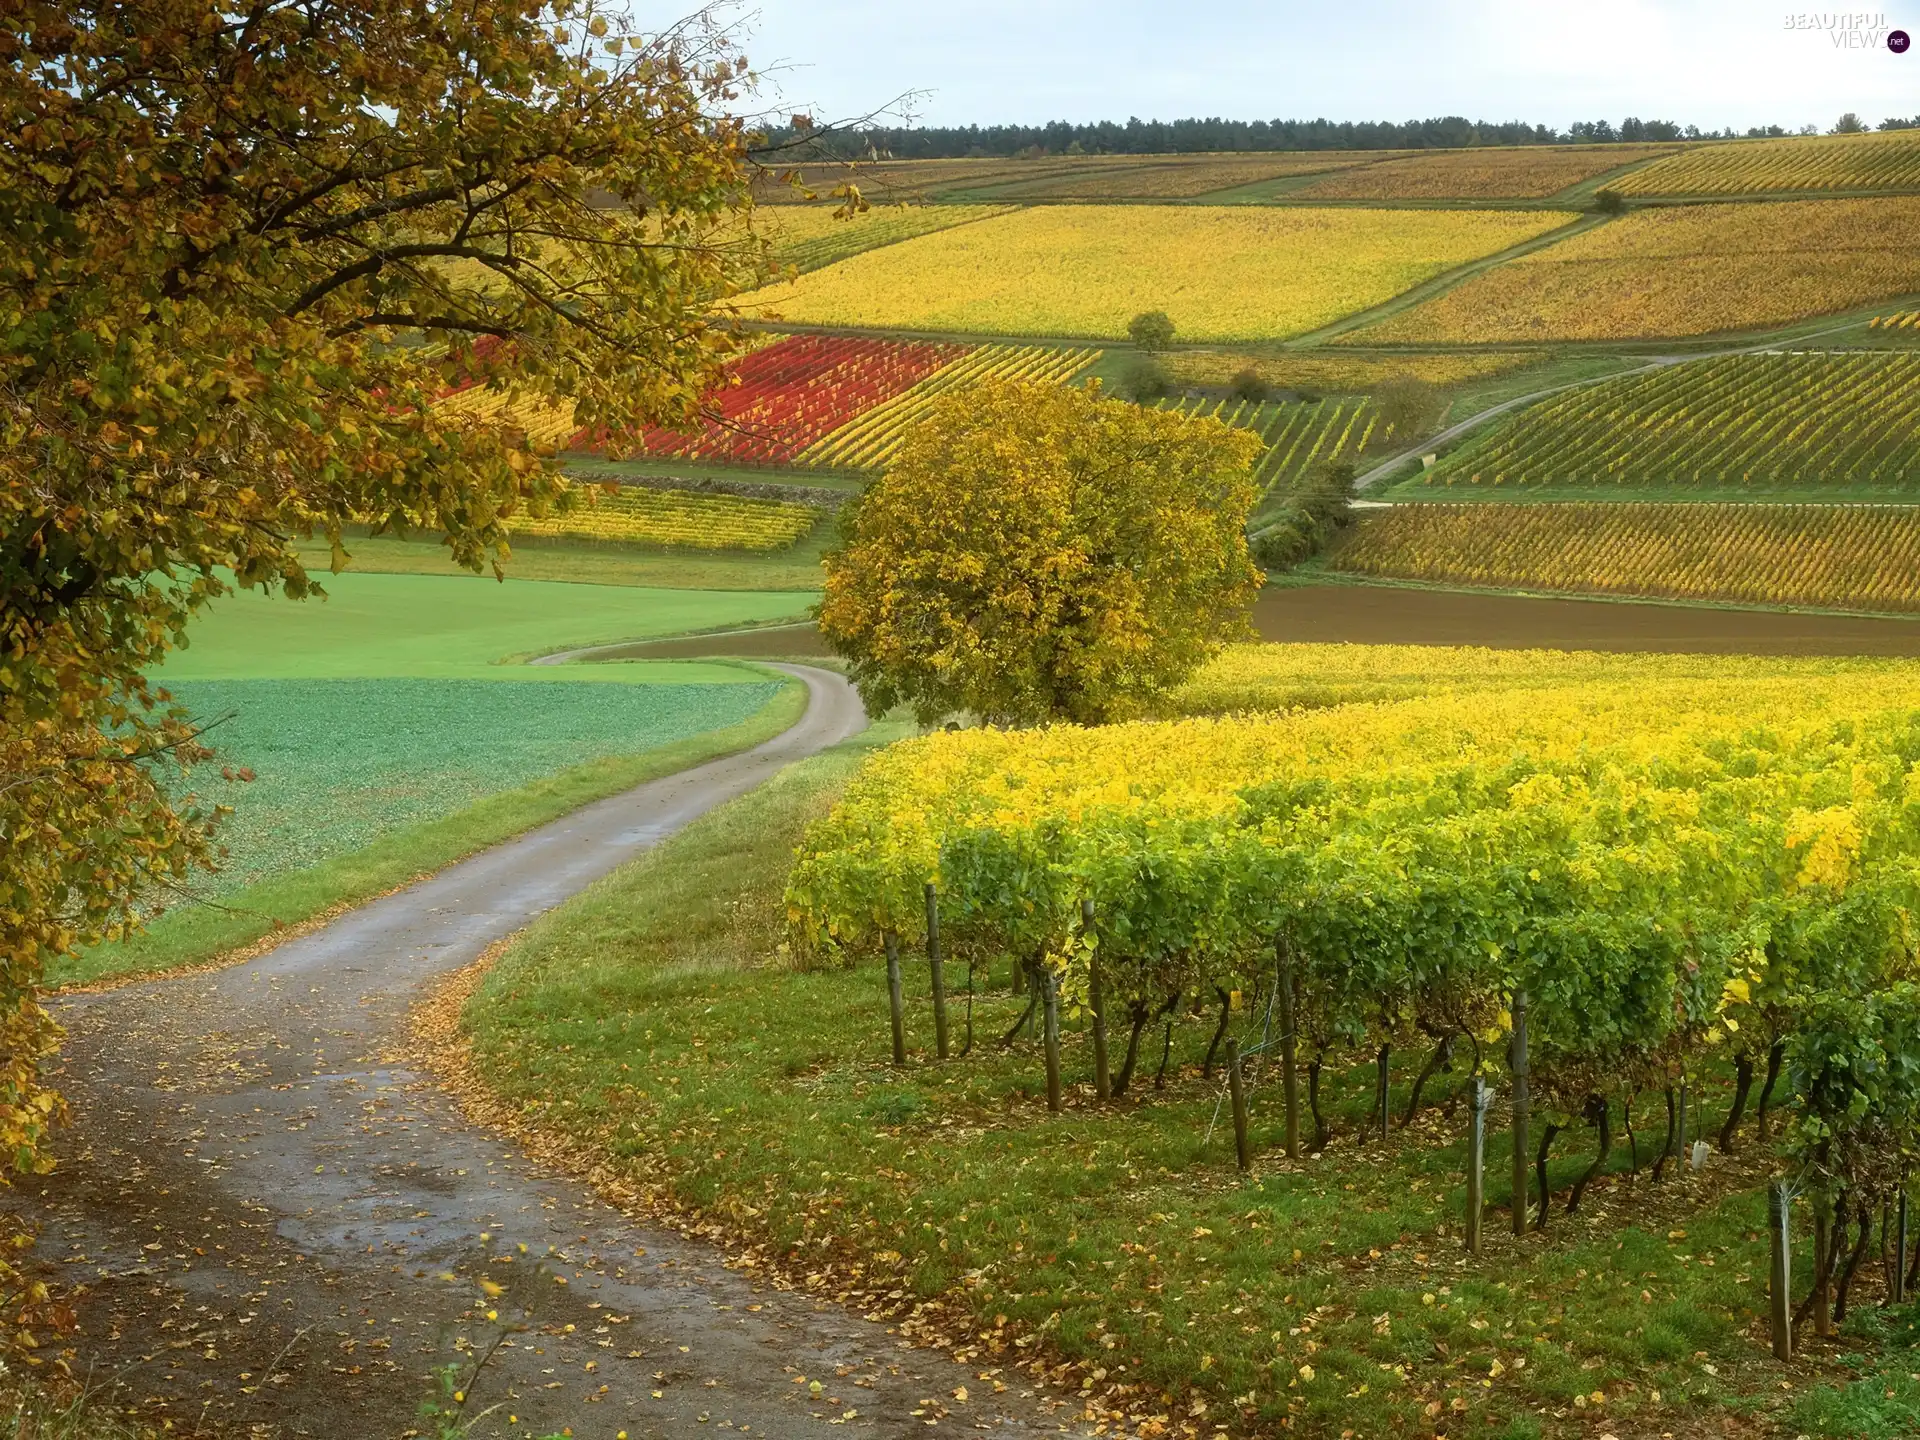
[(247, 245), (1042, 553)]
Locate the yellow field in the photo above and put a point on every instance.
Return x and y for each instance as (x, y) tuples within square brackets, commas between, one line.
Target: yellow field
[(1221, 272), (808, 236), (1682, 270), (677, 519), (1846, 557), (1345, 373), (1522, 172), (1887, 161)]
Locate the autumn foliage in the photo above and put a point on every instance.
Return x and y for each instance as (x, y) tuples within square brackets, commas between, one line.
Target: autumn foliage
[(246, 249), (1037, 552)]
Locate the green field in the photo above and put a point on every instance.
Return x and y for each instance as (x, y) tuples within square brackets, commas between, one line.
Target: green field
[(388, 734)]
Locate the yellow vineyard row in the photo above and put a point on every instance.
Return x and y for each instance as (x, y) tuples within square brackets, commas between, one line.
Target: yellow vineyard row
[(677, 519), (1851, 557)]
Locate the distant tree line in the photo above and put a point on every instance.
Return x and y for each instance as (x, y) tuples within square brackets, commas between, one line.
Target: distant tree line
[(1173, 137)]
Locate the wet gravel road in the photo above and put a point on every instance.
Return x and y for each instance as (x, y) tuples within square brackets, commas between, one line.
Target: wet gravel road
[(282, 1232)]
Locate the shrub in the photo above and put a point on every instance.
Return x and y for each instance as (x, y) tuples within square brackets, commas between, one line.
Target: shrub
[(1144, 380), (1248, 385), (1151, 330)]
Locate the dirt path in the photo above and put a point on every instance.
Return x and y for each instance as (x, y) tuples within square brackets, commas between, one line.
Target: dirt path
[(283, 1232)]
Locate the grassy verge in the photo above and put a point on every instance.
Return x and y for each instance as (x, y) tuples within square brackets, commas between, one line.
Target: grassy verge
[(196, 934), (654, 1027), (31, 1411)]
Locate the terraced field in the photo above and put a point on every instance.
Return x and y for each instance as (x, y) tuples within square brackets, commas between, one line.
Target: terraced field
[(1678, 271), (1888, 161), (1778, 421), (1523, 172), (1844, 557)]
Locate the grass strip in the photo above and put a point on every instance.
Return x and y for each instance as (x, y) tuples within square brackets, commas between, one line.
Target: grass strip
[(196, 935)]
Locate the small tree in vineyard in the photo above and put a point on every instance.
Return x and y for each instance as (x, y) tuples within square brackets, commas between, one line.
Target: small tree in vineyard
[(1039, 553)]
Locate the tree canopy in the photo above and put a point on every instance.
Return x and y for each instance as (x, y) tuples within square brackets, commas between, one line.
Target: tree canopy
[(248, 245), (1039, 553)]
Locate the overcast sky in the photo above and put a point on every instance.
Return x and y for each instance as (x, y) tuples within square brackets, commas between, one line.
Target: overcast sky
[(1712, 63)]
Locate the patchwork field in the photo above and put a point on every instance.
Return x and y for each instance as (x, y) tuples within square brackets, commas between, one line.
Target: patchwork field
[(1170, 177), (809, 236), (1337, 372), (1683, 270), (1772, 421), (1220, 272), (1843, 557), (1525, 172), (1887, 161)]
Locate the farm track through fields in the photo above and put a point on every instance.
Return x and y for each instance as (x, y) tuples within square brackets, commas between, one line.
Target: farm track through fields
[(280, 1225), (1362, 613)]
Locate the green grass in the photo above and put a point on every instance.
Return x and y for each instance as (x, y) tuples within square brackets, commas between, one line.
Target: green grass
[(190, 934), (795, 571), (447, 627), (340, 763), (386, 738), (655, 1021)]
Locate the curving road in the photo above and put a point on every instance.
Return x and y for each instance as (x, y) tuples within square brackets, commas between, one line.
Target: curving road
[(263, 1207)]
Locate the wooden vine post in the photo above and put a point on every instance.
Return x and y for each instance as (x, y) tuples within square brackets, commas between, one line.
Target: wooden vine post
[(1780, 1269), (1900, 1249), (1050, 996), (894, 1000), (1476, 1161), (1237, 1090), (1520, 1113), (1822, 1287), (1097, 1001), (1385, 1086), (935, 963), (1289, 1076)]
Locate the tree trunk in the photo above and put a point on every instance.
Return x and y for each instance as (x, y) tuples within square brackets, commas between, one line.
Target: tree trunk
[(1633, 1143), (1547, 1132), (1666, 1149), (1313, 1104), (1138, 1013), (1597, 1105), (1166, 1046), (1853, 1262), (1775, 1054), (1742, 1083), (1219, 1032), (1033, 1000), (1442, 1056)]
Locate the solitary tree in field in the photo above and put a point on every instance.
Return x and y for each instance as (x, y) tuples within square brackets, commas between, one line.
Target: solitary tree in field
[(247, 244), (1040, 553), (1849, 124), (1151, 330)]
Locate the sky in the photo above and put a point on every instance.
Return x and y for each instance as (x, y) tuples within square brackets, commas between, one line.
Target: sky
[(1712, 63)]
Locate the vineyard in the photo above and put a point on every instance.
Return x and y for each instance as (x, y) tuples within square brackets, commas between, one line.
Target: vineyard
[(1847, 557), (1661, 872), (1681, 270), (871, 440), (788, 395), (1753, 421), (1888, 161), (1337, 372), (1300, 437), (1223, 272), (1905, 320), (676, 519), (1529, 172), (1172, 178)]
